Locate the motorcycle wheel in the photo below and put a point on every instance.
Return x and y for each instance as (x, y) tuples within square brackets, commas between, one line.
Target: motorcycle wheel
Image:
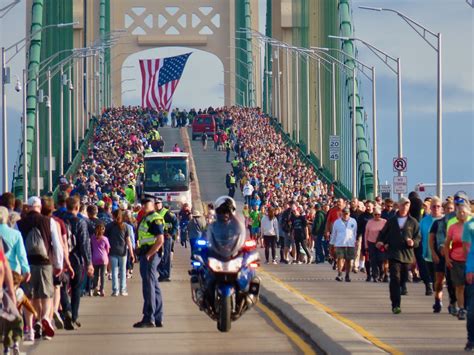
[(225, 310)]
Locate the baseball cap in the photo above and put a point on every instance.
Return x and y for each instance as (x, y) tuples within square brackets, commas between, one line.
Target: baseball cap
[(158, 200), (403, 200), (346, 210), (100, 204), (34, 201), (461, 198)]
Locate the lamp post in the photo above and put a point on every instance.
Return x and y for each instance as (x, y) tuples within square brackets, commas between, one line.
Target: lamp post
[(423, 32), (398, 71), (4, 71), (372, 79)]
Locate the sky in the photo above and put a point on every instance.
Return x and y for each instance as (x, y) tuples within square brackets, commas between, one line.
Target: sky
[(202, 83)]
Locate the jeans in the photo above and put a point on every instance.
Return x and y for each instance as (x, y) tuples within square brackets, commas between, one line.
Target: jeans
[(164, 267), (119, 269), (76, 288), (398, 277), (99, 276), (424, 273), (227, 156), (321, 248), (301, 243), (152, 301), (470, 312)]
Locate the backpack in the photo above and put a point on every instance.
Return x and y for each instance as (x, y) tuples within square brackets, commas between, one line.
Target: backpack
[(71, 237), (285, 221), (34, 244)]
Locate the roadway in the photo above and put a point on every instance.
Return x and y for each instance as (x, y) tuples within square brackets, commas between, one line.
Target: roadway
[(363, 307), (107, 322)]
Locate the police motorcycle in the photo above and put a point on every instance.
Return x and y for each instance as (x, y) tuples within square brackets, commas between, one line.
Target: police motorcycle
[(224, 283)]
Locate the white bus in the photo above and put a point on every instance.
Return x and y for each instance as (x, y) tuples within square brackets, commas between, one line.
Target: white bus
[(167, 176)]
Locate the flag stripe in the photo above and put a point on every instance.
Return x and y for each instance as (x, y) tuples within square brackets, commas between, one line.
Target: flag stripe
[(160, 78)]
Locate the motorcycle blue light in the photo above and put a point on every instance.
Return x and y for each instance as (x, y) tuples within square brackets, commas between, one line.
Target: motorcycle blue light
[(196, 263), (201, 242)]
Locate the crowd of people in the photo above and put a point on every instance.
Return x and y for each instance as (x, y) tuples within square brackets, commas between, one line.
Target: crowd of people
[(55, 252), (409, 240)]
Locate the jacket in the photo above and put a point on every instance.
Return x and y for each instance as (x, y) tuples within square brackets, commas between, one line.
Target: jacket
[(396, 239), (26, 224), (81, 254), (318, 224)]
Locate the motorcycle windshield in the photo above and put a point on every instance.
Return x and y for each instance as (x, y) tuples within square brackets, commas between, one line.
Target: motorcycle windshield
[(226, 239)]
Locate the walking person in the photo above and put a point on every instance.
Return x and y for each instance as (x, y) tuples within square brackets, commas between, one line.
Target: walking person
[(317, 232), (299, 231), (196, 227), (270, 233), (456, 257), (231, 182), (343, 242), (171, 223), (119, 239), (100, 258), (150, 244), (204, 138), (372, 230), (468, 240), (400, 235)]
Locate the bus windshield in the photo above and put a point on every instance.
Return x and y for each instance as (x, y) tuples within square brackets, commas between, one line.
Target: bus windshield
[(166, 174)]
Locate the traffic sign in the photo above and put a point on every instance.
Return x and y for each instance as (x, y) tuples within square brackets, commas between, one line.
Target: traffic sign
[(400, 184), (400, 165), (334, 147), (385, 191)]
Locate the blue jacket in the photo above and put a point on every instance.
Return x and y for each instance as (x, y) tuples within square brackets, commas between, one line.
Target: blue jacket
[(16, 253)]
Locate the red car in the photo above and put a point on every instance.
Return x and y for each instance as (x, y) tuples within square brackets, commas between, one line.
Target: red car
[(203, 123)]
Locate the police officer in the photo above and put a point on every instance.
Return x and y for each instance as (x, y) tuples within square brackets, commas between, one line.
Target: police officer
[(150, 242), (170, 230), (231, 182)]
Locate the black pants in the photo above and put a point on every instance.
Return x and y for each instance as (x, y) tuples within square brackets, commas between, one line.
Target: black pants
[(398, 277), (375, 262), (99, 276), (76, 285), (231, 191), (270, 242), (301, 243), (420, 261)]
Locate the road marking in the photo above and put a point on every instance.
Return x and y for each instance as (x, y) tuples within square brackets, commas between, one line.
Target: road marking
[(295, 338), (357, 327)]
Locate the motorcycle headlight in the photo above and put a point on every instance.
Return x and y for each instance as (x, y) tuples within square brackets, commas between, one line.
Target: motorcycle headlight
[(233, 265)]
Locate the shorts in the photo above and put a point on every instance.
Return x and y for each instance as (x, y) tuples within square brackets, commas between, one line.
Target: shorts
[(41, 282), (347, 253), (289, 241), (458, 274), (255, 230), (441, 266)]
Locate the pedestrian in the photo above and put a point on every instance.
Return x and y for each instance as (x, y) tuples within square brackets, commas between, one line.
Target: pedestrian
[(228, 148), (270, 233), (45, 256), (343, 241), (196, 227), (400, 235), (317, 232), (468, 240), (360, 263), (372, 230), (300, 234), (150, 244), (204, 138), (456, 257), (255, 217), (119, 239), (100, 258)]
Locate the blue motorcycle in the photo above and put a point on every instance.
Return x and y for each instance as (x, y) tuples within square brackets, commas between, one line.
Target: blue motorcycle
[(224, 287)]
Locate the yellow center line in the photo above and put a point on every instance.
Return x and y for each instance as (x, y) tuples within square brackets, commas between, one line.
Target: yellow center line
[(357, 327), (295, 338)]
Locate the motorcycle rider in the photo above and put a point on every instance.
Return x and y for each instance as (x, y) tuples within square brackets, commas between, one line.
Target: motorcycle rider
[(226, 235)]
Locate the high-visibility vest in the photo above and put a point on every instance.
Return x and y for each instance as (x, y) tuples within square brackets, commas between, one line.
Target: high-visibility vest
[(145, 237), (162, 214), (235, 163), (232, 179)]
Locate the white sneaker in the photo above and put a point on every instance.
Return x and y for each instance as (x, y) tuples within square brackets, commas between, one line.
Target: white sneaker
[(29, 338), (115, 294), (125, 293), (274, 262)]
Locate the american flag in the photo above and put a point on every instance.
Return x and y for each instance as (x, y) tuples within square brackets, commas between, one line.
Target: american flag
[(160, 77)]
